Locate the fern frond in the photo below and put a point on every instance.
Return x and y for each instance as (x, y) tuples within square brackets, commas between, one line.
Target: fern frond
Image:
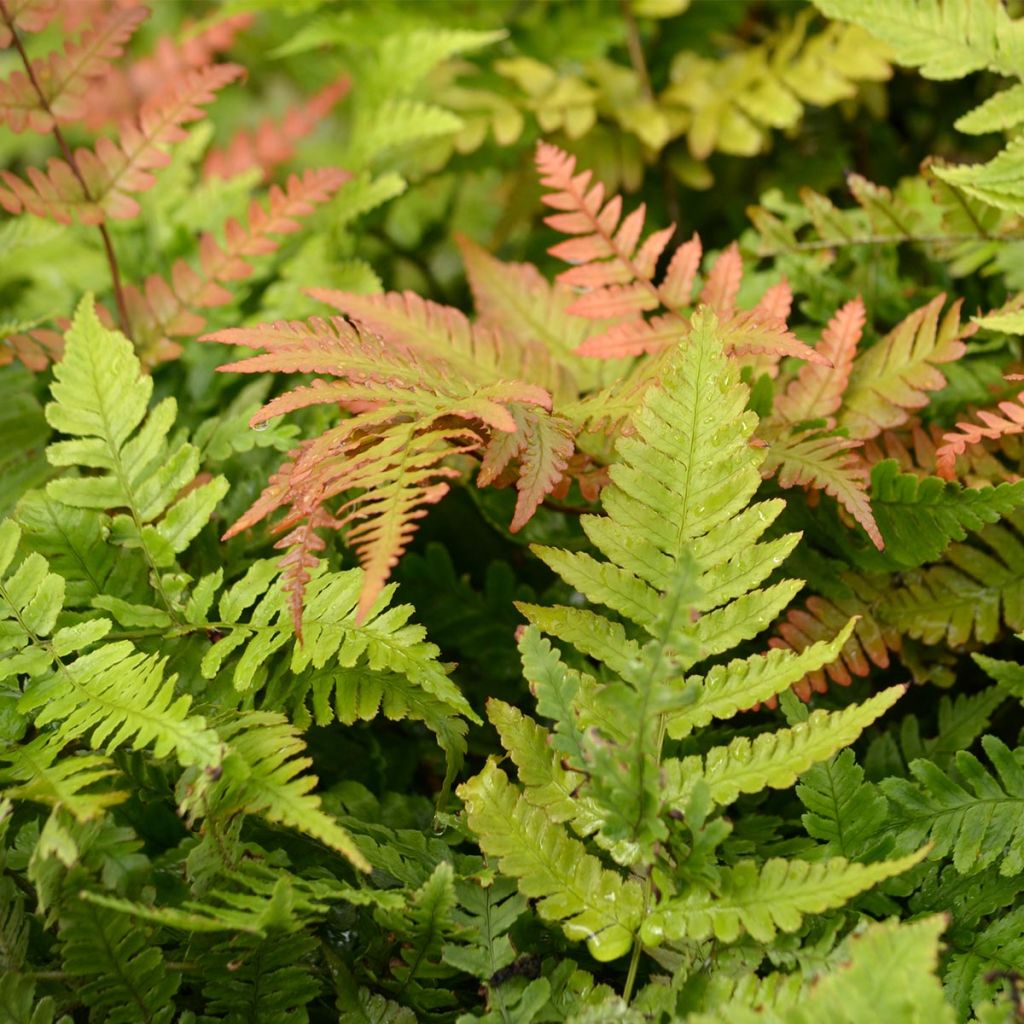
[(969, 814), (259, 900), (571, 887), (980, 959), (894, 376), (971, 594), (920, 516), (674, 492), (100, 400), (998, 182), (163, 310), (35, 772), (64, 79), (261, 775), (1006, 419), (829, 463), (110, 174), (431, 388), (517, 299), (843, 811), (120, 973), (131, 85), (260, 981), (272, 142), (484, 916), (1009, 675), (112, 694), (817, 391), (26, 16), (617, 274), (820, 617), (773, 760), (943, 38), (743, 683), (762, 900)]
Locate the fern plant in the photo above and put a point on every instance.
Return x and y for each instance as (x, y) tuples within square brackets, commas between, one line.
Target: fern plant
[(682, 577)]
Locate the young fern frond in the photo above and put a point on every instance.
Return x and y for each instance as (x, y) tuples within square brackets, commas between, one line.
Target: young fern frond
[(101, 398), (272, 142), (894, 376), (417, 399), (617, 274), (829, 463), (1007, 419)]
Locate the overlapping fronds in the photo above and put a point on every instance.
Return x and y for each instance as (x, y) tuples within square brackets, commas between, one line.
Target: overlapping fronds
[(428, 387), (129, 85), (616, 273), (682, 571), (162, 310), (263, 773), (972, 593), (101, 182), (773, 760), (971, 815), (111, 694)]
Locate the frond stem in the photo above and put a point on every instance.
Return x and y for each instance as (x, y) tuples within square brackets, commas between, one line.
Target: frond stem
[(842, 243), (69, 157)]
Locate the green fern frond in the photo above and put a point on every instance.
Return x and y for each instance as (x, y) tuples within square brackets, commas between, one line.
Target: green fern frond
[(120, 973), (72, 540), (742, 683), (920, 516), (844, 812), (261, 775), (35, 771), (572, 887), (484, 915), (260, 981), (980, 958), (970, 814), (971, 594), (257, 901), (19, 1004), (425, 923), (762, 900), (101, 398), (341, 650), (1009, 675), (113, 694), (773, 760), (944, 38)]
